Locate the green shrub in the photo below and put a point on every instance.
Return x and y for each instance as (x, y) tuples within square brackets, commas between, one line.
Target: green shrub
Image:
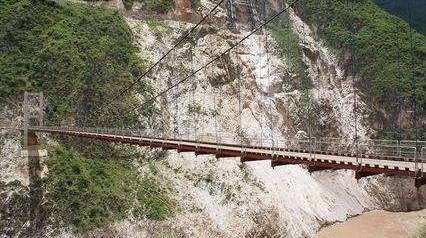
[(79, 56), (288, 43), (399, 134), (159, 5), (153, 200), (382, 48), (400, 8), (14, 209), (158, 27), (128, 4), (195, 4), (87, 193)]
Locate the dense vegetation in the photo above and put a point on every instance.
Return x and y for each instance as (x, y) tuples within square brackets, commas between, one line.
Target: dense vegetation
[(161, 6), (14, 209), (88, 193), (291, 50), (80, 56), (288, 43), (402, 9), (91, 192), (152, 196), (386, 57), (195, 3)]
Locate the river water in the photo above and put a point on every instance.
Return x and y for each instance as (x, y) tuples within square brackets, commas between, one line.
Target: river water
[(377, 224)]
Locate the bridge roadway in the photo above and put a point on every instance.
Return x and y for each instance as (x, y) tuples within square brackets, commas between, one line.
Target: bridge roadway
[(363, 165)]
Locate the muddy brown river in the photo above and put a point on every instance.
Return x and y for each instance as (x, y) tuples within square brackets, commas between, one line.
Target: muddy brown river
[(377, 224)]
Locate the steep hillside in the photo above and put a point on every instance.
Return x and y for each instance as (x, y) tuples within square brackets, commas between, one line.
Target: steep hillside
[(292, 79), (78, 56), (402, 9), (388, 61)]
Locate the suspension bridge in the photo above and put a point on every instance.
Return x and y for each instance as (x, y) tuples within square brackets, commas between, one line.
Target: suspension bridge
[(322, 154), (393, 158), (366, 158)]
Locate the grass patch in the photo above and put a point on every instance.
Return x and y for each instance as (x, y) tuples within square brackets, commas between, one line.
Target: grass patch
[(399, 134), (249, 178), (195, 4), (128, 4), (195, 109), (157, 26), (208, 178), (154, 200), (14, 209), (290, 49), (307, 113), (159, 5), (87, 193), (152, 167), (76, 54)]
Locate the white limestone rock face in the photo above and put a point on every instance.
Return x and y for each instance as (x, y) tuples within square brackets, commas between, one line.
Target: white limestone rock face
[(13, 166), (223, 197), (331, 85)]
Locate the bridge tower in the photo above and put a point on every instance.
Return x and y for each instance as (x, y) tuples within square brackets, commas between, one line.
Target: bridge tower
[(34, 152), (33, 114)]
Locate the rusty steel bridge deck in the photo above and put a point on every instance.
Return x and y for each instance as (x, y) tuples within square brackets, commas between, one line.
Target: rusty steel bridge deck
[(364, 165)]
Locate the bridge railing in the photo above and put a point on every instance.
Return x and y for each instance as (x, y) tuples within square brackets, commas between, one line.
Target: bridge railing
[(420, 164), (418, 144), (406, 153), (388, 149), (334, 145)]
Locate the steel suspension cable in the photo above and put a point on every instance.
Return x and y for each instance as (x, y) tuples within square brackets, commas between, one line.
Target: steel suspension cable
[(414, 80), (194, 118), (272, 18), (309, 105), (204, 107), (182, 39), (240, 110), (269, 93), (262, 95), (220, 112), (400, 99), (176, 104), (354, 90), (214, 108), (413, 88), (188, 103)]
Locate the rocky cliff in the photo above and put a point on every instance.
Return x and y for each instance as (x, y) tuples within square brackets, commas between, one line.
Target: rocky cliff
[(275, 96)]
